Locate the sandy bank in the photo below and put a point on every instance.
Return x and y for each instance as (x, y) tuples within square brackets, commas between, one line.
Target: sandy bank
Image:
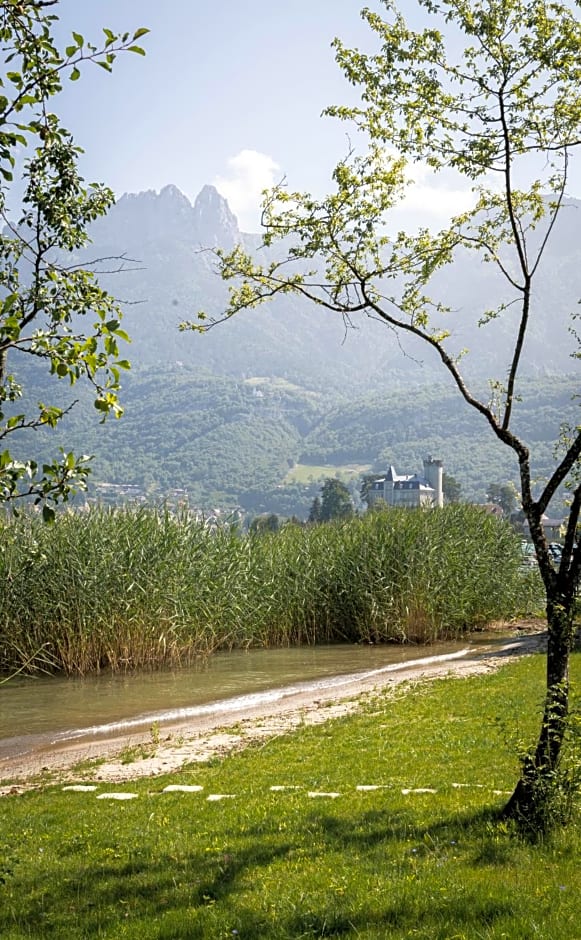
[(136, 755)]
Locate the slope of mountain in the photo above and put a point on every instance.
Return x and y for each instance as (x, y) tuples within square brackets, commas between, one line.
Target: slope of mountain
[(226, 414), (234, 442), (170, 275)]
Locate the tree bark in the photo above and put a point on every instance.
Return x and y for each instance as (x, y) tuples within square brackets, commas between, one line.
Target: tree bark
[(529, 797)]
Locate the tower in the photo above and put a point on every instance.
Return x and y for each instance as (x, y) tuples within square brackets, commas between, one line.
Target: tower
[(434, 474)]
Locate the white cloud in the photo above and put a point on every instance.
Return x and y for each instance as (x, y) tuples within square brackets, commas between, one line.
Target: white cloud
[(431, 199), (249, 173), (437, 194)]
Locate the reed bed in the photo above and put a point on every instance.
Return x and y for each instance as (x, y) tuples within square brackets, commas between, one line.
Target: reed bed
[(141, 587)]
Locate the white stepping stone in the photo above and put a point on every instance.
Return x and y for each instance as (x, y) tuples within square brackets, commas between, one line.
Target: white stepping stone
[(80, 788), (314, 794), (279, 788), (479, 786), (372, 786), (419, 790), (181, 788), (214, 797), (118, 796)]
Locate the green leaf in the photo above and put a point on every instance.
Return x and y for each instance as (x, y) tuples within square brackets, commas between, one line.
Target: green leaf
[(75, 74), (142, 31), (48, 514)]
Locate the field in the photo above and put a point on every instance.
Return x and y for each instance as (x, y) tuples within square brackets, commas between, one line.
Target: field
[(381, 824), (309, 473)]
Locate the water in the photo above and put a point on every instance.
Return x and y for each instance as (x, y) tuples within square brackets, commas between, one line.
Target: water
[(35, 712)]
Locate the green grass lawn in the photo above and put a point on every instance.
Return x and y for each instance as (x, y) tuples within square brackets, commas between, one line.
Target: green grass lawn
[(308, 473), (389, 862)]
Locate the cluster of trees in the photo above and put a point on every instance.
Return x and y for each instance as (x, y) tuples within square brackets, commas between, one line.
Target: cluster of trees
[(334, 503), (503, 495)]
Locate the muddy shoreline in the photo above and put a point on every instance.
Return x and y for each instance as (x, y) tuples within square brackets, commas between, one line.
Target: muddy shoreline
[(129, 756)]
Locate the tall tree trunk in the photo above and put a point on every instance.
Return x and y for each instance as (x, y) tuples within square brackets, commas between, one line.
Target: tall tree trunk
[(529, 799)]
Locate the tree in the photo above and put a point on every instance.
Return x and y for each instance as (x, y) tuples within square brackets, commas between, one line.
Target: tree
[(315, 511), (451, 488), (503, 495), (367, 481), (336, 502), (265, 523), (489, 91), (43, 294)]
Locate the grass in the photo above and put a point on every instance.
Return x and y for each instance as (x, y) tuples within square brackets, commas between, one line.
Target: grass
[(140, 588), (309, 473), (280, 864)]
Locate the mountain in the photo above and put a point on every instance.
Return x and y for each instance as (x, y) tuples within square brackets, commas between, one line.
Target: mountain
[(258, 409), (170, 274)]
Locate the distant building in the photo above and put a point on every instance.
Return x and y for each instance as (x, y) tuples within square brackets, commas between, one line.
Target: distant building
[(553, 528), (410, 490)]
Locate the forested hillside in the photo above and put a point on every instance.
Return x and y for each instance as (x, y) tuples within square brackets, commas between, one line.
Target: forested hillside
[(230, 442), (246, 413)]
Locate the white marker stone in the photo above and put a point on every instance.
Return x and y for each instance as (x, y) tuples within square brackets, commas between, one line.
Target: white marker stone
[(314, 794), (118, 796)]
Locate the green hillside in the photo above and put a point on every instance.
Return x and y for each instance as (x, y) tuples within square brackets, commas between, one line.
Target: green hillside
[(256, 411), (264, 444)]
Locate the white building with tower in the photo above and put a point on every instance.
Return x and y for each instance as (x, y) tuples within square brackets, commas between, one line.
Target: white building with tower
[(410, 490)]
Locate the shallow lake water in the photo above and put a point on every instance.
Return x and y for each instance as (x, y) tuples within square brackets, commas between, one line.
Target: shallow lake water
[(36, 711)]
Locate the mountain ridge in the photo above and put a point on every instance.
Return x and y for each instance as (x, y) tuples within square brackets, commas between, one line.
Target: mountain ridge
[(228, 414), (172, 240)]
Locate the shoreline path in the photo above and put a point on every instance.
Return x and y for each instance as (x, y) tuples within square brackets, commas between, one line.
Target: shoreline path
[(199, 739)]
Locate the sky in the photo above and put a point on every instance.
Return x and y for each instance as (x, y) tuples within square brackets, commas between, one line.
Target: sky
[(230, 93)]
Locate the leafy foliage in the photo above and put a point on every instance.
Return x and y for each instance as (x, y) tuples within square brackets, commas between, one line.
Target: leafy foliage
[(43, 296), (335, 502)]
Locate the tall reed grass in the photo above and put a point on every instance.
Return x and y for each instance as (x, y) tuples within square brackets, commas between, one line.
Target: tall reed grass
[(130, 588)]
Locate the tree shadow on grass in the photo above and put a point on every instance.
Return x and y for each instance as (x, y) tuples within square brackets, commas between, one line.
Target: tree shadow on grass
[(199, 895), (91, 900), (376, 827)]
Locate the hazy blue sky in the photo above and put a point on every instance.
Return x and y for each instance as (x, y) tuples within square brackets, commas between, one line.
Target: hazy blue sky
[(230, 93)]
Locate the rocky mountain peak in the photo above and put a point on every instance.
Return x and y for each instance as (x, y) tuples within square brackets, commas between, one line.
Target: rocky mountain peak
[(214, 222), (150, 219)]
